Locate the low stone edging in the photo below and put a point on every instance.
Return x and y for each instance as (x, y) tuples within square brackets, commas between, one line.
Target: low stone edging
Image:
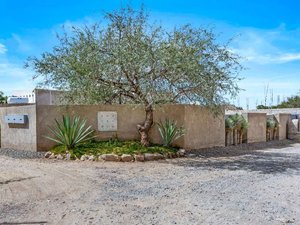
[(116, 158)]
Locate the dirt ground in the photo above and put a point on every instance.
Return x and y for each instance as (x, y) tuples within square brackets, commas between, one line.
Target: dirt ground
[(246, 187)]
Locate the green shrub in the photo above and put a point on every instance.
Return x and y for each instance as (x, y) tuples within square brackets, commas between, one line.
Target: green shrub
[(229, 123), (271, 123), (112, 146), (169, 131), (70, 132)]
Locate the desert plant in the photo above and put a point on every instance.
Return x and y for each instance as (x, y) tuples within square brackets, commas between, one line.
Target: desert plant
[(228, 128), (272, 126), (244, 125), (237, 125), (70, 132), (169, 131)]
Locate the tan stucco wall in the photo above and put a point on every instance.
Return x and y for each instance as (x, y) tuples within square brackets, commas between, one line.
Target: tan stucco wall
[(283, 119), (257, 127), (202, 129), (22, 137)]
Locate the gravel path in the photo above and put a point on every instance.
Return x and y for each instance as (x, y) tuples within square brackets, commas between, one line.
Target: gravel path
[(219, 186)]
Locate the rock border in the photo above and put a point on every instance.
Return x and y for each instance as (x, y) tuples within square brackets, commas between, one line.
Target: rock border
[(116, 158)]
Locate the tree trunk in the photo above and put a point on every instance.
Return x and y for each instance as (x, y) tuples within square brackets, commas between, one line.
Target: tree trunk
[(226, 137), (145, 128), (234, 137)]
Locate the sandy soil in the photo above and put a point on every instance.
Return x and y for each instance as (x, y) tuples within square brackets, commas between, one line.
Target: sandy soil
[(250, 187)]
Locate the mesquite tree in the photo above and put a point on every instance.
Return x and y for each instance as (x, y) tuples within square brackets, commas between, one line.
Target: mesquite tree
[(129, 60)]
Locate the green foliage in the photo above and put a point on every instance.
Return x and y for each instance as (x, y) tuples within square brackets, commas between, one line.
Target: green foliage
[(262, 107), (271, 123), (236, 121), (128, 60), (291, 102), (70, 132), (3, 99), (169, 131), (244, 124), (229, 124), (113, 146)]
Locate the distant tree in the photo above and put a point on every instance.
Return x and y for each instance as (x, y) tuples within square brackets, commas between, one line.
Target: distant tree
[(291, 102), (262, 107), (128, 60), (3, 99)]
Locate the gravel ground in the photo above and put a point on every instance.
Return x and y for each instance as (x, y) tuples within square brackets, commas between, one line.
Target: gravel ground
[(21, 154), (240, 185)]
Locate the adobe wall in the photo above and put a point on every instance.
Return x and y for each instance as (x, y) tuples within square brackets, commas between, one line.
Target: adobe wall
[(19, 136), (128, 117), (202, 129), (283, 120), (257, 127)]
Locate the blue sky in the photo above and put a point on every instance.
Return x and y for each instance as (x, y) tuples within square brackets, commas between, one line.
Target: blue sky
[(267, 36)]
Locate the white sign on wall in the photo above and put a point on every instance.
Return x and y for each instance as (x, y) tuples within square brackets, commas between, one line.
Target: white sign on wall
[(107, 121)]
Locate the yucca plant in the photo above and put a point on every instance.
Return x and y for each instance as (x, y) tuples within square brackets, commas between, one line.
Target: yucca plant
[(272, 126), (228, 128), (235, 125), (244, 125), (71, 132), (169, 131)]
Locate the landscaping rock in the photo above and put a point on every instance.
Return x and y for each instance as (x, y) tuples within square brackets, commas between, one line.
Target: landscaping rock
[(149, 157), (110, 157), (59, 156), (181, 153), (68, 156), (158, 156), (167, 155), (100, 159), (172, 155), (52, 156), (126, 158), (91, 158), (48, 154), (139, 158), (152, 157), (84, 157), (191, 155)]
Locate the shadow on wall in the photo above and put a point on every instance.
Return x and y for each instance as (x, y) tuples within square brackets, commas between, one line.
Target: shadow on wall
[(265, 162)]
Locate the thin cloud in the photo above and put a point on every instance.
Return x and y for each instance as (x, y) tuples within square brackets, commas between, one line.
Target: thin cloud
[(266, 46), (3, 49)]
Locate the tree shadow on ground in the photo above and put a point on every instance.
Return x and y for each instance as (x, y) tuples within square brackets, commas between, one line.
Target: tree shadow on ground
[(277, 159)]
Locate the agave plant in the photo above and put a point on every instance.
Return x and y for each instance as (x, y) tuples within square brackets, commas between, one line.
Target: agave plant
[(71, 132), (169, 131)]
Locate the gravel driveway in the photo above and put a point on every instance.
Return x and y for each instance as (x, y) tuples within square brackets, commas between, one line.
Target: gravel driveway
[(219, 186)]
